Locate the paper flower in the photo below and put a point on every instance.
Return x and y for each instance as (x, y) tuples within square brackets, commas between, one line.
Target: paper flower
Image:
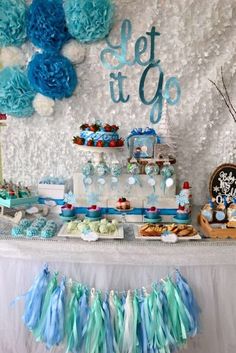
[(12, 22), (46, 24), (16, 95), (11, 56), (74, 51), (52, 75), (44, 106), (89, 20)]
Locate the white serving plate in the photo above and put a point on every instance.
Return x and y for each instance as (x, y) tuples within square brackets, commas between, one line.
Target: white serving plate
[(140, 237), (118, 234)]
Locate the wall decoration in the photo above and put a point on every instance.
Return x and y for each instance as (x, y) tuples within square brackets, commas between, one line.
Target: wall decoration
[(52, 75), (118, 54), (16, 94), (44, 106), (74, 51), (223, 183), (159, 320), (12, 22), (12, 56), (46, 24), (88, 20)]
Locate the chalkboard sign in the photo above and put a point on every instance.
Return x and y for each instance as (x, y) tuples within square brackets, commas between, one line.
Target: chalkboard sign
[(223, 183)]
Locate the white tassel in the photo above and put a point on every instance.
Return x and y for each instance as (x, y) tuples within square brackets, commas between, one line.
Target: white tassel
[(128, 342)]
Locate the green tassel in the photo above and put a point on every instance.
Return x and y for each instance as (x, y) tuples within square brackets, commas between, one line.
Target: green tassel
[(119, 322), (71, 320), (136, 318), (51, 287), (95, 333), (177, 313)]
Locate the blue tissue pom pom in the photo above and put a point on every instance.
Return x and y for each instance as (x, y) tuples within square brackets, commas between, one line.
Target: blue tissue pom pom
[(12, 22), (52, 75), (89, 20), (16, 95), (46, 24)]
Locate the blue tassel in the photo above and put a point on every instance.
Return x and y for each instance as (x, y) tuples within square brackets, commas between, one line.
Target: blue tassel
[(34, 299), (189, 301), (53, 332), (108, 327)]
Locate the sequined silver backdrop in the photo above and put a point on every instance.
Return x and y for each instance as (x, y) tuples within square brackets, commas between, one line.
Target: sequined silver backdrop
[(197, 38)]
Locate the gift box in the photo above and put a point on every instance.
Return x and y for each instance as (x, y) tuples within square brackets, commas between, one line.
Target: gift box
[(53, 191)]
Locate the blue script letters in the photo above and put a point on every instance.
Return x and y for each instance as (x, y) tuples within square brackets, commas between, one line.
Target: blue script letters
[(114, 57)]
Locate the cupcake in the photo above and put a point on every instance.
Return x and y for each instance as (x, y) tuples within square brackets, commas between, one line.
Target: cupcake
[(48, 232), (220, 212), (123, 204), (94, 212), (231, 212), (68, 210), (17, 231), (25, 223), (32, 232), (152, 213), (207, 212)]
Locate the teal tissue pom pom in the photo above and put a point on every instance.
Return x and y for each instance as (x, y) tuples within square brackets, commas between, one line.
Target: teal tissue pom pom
[(52, 75), (16, 95), (12, 22), (89, 20), (46, 24)]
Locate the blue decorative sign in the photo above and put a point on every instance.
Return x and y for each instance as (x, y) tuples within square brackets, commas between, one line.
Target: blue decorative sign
[(114, 57)]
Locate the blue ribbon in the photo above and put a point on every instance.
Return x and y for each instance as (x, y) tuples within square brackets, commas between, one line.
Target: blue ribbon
[(139, 132)]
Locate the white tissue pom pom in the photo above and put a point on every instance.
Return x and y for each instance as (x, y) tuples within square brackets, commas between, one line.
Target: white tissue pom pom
[(44, 106), (11, 56), (74, 51)]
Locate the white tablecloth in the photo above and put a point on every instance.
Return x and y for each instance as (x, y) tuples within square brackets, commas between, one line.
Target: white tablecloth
[(210, 268)]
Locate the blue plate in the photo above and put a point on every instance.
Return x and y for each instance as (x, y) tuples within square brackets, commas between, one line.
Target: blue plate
[(181, 221), (67, 219), (152, 220)]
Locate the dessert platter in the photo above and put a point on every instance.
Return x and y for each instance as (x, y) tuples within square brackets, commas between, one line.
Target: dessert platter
[(182, 232), (103, 229)]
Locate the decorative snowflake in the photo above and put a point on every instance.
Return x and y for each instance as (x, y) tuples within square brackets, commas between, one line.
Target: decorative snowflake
[(70, 198), (216, 188), (152, 200), (182, 199), (93, 198)]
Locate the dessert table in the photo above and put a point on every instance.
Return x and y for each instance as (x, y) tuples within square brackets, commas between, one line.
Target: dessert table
[(209, 266)]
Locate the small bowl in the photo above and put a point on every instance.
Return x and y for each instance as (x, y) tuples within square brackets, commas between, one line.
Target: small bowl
[(182, 216), (66, 212), (152, 215), (93, 213)]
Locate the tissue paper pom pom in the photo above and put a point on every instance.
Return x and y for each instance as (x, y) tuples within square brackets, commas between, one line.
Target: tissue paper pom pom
[(16, 95), (12, 22), (44, 106), (89, 20), (11, 56), (46, 24), (52, 75), (74, 51)]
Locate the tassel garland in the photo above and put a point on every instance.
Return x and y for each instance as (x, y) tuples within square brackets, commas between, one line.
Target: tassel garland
[(159, 321)]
